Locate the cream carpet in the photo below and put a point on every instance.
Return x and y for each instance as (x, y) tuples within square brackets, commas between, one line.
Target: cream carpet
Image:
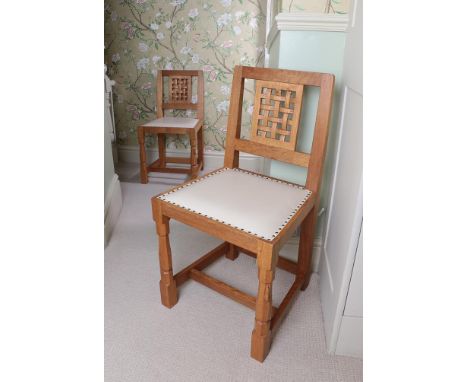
[(206, 336)]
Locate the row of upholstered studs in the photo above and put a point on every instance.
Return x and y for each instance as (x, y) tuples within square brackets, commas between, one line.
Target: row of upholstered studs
[(219, 221), (270, 179), (292, 214), (192, 182)]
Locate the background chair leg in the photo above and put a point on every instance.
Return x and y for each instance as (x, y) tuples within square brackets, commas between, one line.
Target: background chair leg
[(167, 284), (201, 148), (143, 169), (261, 335), (193, 156), (233, 252), (162, 149), (305, 248)]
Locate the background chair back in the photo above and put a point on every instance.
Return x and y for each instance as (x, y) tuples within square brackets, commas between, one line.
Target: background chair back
[(180, 91)]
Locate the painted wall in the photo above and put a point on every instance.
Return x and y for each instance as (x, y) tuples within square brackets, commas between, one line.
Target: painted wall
[(317, 6), (312, 51), (144, 36)]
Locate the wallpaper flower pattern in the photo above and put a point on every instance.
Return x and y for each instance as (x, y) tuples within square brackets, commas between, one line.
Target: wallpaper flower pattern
[(144, 36), (319, 6)]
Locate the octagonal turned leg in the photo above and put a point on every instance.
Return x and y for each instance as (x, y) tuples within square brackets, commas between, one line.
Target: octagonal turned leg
[(267, 258), (167, 285)]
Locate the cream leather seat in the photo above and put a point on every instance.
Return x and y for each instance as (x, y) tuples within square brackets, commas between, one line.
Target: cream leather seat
[(250, 202), (178, 122)]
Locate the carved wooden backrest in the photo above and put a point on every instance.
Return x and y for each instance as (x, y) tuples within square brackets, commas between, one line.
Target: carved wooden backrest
[(180, 91), (276, 113), (276, 117)]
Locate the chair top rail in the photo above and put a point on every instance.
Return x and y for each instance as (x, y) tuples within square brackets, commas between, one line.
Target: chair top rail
[(193, 73), (284, 75)]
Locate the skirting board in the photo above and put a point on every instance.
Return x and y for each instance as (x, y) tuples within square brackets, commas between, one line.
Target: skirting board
[(112, 207), (213, 159), (350, 338)]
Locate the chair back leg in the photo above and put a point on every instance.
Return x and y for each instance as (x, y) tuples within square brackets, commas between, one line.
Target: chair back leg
[(193, 155), (304, 269), (201, 148), (233, 252), (162, 149), (141, 143)]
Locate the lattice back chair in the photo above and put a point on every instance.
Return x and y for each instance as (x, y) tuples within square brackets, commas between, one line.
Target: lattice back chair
[(180, 95), (254, 214)]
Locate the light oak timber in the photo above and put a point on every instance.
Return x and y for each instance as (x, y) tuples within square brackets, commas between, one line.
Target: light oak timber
[(172, 170), (268, 126), (223, 288), (180, 97), (282, 310), (293, 157), (143, 168), (167, 285), (281, 87), (283, 263), (267, 257), (156, 163), (162, 150), (285, 75), (180, 105), (177, 160), (178, 73), (171, 130), (233, 252), (231, 156), (201, 263)]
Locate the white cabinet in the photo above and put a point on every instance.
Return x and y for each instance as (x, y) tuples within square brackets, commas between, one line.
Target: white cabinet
[(341, 265)]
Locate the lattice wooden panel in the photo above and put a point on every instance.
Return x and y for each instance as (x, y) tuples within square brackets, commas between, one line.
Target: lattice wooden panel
[(180, 89), (277, 109)]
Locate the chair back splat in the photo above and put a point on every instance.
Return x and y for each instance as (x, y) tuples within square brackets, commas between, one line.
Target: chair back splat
[(275, 118), (180, 91)]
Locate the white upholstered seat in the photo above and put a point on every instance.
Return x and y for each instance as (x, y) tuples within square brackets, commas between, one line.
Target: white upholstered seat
[(250, 202), (186, 123)]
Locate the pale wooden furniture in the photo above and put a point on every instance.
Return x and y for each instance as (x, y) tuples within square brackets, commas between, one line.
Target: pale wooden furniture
[(252, 213), (179, 97)]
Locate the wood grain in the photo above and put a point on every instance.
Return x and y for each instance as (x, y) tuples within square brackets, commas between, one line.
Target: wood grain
[(180, 97), (278, 104), (201, 263)]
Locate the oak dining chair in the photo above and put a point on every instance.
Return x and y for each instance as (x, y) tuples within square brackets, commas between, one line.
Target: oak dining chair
[(252, 213), (180, 97)]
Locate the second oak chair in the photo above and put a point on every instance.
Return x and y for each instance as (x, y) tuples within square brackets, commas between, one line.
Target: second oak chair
[(179, 97)]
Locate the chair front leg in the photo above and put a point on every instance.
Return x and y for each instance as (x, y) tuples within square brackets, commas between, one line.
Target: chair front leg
[(141, 142), (167, 285), (267, 258)]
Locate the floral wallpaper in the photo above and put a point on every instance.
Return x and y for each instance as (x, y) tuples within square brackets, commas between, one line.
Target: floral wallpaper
[(144, 36), (319, 6)]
